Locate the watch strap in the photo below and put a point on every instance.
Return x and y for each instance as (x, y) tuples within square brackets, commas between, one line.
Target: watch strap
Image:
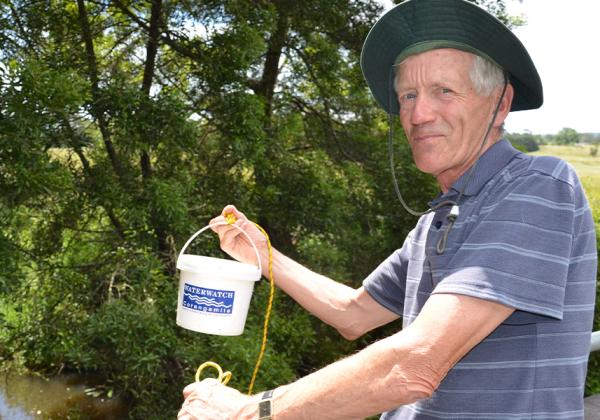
[(265, 406)]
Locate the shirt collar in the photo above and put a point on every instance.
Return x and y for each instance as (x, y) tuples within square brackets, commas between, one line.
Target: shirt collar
[(488, 165)]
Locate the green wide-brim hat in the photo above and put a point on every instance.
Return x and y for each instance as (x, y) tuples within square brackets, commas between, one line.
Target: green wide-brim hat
[(420, 25)]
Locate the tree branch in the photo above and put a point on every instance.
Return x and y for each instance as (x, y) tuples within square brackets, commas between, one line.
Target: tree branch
[(22, 30), (327, 120), (164, 37), (151, 51), (97, 109), (266, 86), (88, 174)]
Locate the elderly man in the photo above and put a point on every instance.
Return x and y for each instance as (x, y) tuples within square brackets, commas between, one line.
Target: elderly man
[(495, 284)]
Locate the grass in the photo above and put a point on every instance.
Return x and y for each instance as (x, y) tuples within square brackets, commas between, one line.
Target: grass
[(586, 166)]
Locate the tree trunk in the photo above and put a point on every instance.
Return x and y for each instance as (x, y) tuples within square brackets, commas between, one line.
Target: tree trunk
[(268, 81), (158, 225), (266, 89), (151, 50), (97, 107)]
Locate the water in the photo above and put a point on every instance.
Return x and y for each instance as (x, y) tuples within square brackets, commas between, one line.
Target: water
[(25, 397)]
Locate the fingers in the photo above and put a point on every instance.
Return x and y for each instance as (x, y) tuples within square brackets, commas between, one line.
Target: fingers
[(242, 248), (228, 236), (197, 397), (185, 414), (226, 233), (228, 209), (199, 387), (189, 389)]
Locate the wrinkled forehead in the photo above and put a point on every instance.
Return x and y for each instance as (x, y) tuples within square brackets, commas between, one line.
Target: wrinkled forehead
[(438, 65), (446, 56)]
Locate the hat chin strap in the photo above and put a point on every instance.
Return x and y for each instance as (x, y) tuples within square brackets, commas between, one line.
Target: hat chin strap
[(454, 211)]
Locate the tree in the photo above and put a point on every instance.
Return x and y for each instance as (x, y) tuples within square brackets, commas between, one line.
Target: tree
[(567, 136), (524, 141)]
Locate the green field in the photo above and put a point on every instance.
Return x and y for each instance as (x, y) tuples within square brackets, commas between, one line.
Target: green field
[(587, 167)]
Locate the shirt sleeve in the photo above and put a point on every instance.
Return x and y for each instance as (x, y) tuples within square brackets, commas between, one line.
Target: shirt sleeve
[(386, 284), (517, 252)]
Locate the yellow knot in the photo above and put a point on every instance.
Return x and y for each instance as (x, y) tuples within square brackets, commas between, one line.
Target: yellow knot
[(223, 376), (230, 218)]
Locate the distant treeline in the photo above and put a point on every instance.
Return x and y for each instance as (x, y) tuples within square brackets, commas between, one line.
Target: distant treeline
[(530, 142)]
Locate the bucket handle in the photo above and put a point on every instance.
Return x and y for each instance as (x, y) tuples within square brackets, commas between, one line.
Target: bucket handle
[(217, 224)]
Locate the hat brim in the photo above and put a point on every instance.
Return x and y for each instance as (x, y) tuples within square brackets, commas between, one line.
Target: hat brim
[(454, 23)]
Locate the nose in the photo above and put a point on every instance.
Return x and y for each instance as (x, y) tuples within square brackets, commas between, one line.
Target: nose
[(422, 111)]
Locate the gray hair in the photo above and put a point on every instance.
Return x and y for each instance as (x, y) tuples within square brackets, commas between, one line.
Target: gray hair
[(485, 75)]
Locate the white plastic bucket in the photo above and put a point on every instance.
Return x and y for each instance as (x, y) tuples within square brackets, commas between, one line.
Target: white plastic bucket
[(214, 293)]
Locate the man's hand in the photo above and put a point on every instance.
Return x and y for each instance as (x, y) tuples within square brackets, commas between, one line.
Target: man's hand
[(210, 400), (234, 242)]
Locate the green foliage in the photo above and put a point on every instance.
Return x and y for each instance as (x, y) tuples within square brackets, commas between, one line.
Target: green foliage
[(103, 176), (590, 138), (525, 142), (498, 9), (566, 136)]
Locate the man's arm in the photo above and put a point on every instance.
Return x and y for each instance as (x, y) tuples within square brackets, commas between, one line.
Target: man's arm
[(400, 369), (351, 311)]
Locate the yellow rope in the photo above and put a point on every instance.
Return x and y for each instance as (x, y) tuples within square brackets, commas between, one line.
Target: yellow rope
[(230, 218), (225, 376), (263, 345)]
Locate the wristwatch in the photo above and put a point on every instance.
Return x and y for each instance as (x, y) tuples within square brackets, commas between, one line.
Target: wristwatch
[(265, 406)]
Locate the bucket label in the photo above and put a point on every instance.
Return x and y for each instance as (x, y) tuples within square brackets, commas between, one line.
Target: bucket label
[(208, 300)]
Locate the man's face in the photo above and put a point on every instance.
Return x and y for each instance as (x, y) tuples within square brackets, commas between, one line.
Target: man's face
[(442, 115)]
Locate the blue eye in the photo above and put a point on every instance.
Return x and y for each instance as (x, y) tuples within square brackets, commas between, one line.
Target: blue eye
[(407, 100), (408, 97)]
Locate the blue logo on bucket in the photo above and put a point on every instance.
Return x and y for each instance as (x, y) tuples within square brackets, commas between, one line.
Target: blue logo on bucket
[(208, 300)]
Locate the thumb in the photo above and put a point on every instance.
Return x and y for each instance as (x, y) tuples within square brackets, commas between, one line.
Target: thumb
[(231, 209)]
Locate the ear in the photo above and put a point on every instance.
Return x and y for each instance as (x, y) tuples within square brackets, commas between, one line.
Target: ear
[(505, 105)]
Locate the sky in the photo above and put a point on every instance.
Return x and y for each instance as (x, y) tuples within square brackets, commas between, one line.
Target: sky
[(563, 39)]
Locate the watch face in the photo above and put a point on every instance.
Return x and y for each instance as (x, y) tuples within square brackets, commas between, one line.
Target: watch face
[(264, 406), (264, 410)]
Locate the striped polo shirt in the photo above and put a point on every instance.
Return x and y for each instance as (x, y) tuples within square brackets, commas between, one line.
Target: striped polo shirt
[(524, 238)]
